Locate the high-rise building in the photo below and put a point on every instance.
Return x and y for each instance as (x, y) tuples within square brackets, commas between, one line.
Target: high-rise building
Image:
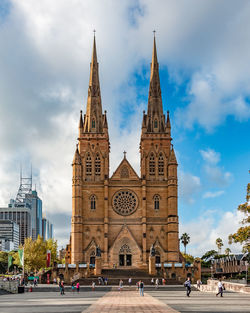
[(36, 214), (126, 214), (9, 232), (47, 229)]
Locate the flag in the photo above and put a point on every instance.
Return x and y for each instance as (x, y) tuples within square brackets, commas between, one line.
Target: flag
[(21, 257), (10, 261), (48, 258)]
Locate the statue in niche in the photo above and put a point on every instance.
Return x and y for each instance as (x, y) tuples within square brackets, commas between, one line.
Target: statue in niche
[(152, 250), (98, 251)]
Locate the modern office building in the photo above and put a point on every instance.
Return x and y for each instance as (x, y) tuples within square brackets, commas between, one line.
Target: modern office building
[(9, 233), (47, 229)]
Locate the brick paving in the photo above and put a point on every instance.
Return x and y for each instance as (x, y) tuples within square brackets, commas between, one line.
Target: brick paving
[(128, 301)]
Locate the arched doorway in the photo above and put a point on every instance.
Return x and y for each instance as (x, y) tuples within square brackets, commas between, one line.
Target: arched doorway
[(157, 257), (92, 258), (125, 256)]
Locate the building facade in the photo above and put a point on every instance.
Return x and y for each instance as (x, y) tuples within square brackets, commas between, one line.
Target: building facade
[(124, 214), (9, 234)]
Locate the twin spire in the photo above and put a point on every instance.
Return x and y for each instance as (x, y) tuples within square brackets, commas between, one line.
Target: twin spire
[(96, 122)]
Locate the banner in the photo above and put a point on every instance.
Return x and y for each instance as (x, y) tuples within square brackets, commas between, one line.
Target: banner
[(10, 261), (48, 259), (21, 257)]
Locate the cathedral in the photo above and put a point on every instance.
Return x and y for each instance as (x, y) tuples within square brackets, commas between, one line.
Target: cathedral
[(119, 218)]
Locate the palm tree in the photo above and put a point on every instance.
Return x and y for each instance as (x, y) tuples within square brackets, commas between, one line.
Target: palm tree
[(227, 251), (219, 244), (185, 239)]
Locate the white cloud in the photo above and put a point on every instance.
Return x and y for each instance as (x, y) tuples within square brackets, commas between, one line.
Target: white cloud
[(189, 185), (206, 229), (210, 194), (210, 156)]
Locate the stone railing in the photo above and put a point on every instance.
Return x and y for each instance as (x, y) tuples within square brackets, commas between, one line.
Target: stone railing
[(10, 286), (212, 286)]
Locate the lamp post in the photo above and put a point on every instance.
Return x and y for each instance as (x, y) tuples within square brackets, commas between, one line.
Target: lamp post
[(211, 268)]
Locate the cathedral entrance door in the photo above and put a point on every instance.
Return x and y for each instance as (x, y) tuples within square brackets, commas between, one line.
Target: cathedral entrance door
[(125, 256), (128, 259), (121, 259)]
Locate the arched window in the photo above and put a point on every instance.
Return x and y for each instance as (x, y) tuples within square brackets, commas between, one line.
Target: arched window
[(151, 164), (161, 164), (157, 202), (93, 202), (97, 165), (157, 257), (93, 123), (88, 165), (92, 258), (155, 124)]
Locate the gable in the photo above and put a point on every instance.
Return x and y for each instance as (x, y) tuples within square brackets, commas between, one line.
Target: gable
[(125, 171)]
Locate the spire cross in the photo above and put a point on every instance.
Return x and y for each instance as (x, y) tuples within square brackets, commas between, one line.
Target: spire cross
[(124, 152)]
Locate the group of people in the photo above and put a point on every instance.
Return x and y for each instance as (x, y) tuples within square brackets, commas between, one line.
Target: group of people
[(73, 287)]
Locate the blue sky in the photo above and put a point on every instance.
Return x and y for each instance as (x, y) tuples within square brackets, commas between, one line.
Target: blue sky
[(203, 51)]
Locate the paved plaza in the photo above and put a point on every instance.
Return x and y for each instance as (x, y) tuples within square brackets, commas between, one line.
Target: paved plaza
[(167, 300)]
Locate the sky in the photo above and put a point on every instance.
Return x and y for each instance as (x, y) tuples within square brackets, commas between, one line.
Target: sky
[(203, 52)]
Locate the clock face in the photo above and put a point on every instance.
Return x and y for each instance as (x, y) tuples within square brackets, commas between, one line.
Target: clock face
[(125, 202)]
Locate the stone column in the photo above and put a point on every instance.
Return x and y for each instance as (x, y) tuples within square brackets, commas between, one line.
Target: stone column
[(98, 265), (151, 266)]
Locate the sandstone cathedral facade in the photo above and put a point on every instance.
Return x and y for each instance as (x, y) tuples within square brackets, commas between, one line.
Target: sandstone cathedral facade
[(123, 215)]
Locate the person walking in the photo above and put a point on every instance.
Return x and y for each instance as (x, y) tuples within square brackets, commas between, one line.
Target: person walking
[(73, 287), (187, 284), (220, 288), (61, 284), (152, 281), (78, 287), (157, 283), (141, 287), (120, 285), (93, 286), (129, 281)]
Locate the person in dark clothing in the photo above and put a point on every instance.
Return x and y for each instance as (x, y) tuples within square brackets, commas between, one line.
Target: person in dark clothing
[(187, 284)]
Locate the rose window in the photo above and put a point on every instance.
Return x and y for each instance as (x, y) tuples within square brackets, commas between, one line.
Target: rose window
[(125, 202)]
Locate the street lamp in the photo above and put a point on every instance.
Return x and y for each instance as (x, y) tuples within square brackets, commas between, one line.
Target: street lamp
[(211, 268)]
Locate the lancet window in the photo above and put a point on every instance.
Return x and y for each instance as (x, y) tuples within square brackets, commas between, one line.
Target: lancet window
[(88, 165), (161, 164), (151, 164), (156, 202), (93, 202), (97, 165), (93, 123), (155, 124)]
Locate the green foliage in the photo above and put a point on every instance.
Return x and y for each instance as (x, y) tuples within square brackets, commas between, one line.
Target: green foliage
[(243, 233), (209, 255), (3, 261), (35, 252), (185, 239), (227, 251), (219, 244), (188, 258)]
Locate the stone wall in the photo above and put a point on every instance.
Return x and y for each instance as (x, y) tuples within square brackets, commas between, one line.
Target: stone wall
[(10, 286), (212, 286)]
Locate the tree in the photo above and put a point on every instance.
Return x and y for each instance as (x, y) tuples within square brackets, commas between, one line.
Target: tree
[(243, 233), (227, 251), (185, 239), (209, 255), (219, 244), (188, 258), (3, 261)]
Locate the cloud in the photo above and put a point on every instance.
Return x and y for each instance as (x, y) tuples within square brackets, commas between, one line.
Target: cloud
[(210, 156), (205, 229), (214, 194), (189, 186), (215, 173)]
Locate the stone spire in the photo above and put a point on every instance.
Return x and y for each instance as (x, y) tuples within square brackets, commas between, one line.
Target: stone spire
[(93, 121), (77, 157), (155, 119)]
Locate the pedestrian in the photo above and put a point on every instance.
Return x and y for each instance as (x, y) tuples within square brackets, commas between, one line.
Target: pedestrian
[(61, 285), (163, 281), (157, 283), (129, 281), (141, 287), (199, 283), (54, 281), (187, 284), (152, 281), (78, 287), (93, 286), (73, 287), (120, 285), (220, 288)]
